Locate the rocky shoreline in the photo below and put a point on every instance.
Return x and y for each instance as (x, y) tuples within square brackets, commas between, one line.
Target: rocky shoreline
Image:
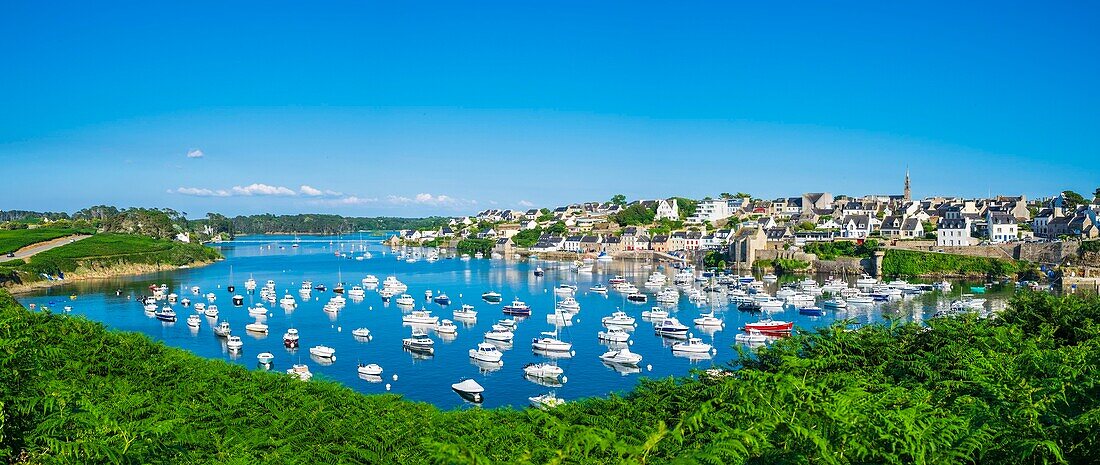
[(107, 272)]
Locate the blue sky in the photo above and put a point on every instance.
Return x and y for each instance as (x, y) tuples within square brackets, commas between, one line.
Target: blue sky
[(414, 108)]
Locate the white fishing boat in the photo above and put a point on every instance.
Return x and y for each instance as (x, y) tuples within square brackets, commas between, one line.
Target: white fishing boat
[(446, 327), (361, 332), (546, 401), (323, 351), (419, 342), (194, 321), (693, 345), (614, 334), (234, 342), (420, 317), (288, 301), (569, 304), (621, 357), (656, 313), (300, 371), (357, 292), (599, 289), (619, 318), (542, 370), (406, 301), (265, 357), (670, 327), (370, 369), (752, 336), (499, 333), (258, 310), (222, 329), (467, 312), (486, 352), (290, 338)]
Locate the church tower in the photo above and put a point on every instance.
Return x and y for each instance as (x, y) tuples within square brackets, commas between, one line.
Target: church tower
[(907, 196)]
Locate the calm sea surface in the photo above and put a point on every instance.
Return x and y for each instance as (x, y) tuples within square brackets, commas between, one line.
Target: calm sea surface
[(114, 303)]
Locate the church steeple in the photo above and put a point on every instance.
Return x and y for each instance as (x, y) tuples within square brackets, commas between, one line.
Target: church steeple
[(907, 196)]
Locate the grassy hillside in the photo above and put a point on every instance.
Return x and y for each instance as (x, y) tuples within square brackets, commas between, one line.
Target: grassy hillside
[(106, 250), (913, 263), (12, 240), (1024, 388)]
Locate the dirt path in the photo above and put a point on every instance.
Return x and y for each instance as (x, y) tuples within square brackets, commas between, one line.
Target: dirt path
[(33, 249)]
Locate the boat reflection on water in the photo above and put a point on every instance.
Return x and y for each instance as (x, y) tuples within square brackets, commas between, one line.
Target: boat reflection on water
[(323, 361), (624, 370), (552, 354), (548, 382), (370, 378), (486, 367)]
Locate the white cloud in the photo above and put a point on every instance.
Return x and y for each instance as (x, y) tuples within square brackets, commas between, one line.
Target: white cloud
[(306, 190), (263, 189), (526, 203), (351, 200), (195, 153), (200, 192)]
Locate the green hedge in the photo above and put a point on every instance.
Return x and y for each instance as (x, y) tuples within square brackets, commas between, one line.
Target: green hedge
[(471, 246), (1020, 389), (913, 263)]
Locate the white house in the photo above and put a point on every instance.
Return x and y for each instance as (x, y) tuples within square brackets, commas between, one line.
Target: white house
[(1002, 227), (856, 226), (711, 210), (668, 209), (953, 232)]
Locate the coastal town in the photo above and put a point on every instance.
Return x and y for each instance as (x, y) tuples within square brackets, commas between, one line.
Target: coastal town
[(744, 229)]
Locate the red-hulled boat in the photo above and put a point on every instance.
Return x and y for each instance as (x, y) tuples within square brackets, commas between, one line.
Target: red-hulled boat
[(770, 326)]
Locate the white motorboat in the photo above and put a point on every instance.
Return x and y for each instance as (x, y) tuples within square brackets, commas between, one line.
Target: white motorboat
[(288, 301), (866, 281), (619, 318), (420, 317), (656, 313), (265, 357), (234, 342), (446, 327), (508, 323), (200, 307), (222, 329), (322, 351), (569, 304), (486, 352), (467, 312), (370, 280), (499, 333), (370, 369), (861, 300), (670, 327), (193, 321), (210, 297), (621, 357), (290, 338), (835, 303), (753, 336), (419, 342), (469, 389), (195, 290), (543, 370), (256, 327), (614, 334), (211, 311), (405, 300), (357, 292), (250, 284), (300, 371), (546, 401), (599, 289), (693, 345), (550, 342), (708, 319), (361, 332), (565, 289), (258, 310)]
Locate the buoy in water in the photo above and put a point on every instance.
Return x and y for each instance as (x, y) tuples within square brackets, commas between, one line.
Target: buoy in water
[(649, 367), (395, 376), (387, 386)]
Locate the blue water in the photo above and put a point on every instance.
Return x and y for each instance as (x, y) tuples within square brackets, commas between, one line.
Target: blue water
[(422, 379)]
